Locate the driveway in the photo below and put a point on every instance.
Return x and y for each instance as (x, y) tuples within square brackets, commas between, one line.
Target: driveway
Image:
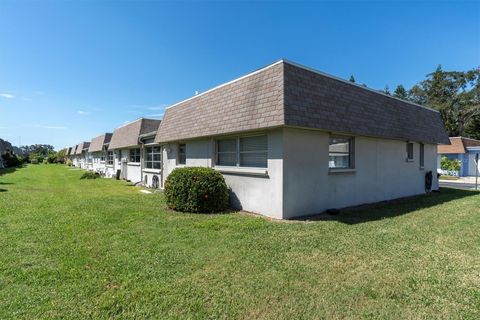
[(466, 183)]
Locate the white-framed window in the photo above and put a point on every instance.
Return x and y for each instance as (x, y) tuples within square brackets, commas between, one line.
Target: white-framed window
[(110, 158), (245, 151), (422, 155), (409, 151), (153, 158), (102, 157), (341, 153), (182, 153), (134, 155)]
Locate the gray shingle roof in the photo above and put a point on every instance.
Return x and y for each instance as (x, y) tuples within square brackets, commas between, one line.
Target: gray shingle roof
[(97, 143), (127, 135), (68, 152), (81, 147), (287, 94)]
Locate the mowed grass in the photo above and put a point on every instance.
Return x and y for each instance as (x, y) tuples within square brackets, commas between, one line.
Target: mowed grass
[(79, 249)]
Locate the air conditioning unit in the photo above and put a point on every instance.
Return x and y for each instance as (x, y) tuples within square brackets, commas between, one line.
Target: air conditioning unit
[(155, 182)]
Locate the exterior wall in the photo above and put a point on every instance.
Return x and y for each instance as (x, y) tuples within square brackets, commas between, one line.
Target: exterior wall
[(249, 191), (472, 166), (381, 173)]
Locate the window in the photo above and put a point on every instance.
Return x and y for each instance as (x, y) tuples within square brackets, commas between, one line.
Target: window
[(135, 155), (422, 155), (253, 152), (182, 153), (340, 153), (249, 152), (153, 158), (110, 158), (409, 151)]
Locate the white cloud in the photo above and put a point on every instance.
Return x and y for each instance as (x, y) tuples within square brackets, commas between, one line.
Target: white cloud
[(155, 115), (83, 113), (160, 107), (26, 99), (7, 95), (54, 127)]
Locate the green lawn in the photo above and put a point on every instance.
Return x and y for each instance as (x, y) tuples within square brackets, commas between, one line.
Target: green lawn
[(72, 248)]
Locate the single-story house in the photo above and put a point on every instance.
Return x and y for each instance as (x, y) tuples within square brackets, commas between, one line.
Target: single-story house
[(73, 156), (125, 149), (81, 155), (463, 150), (98, 151), (292, 141)]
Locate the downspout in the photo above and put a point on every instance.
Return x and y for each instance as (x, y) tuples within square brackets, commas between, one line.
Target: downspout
[(142, 156)]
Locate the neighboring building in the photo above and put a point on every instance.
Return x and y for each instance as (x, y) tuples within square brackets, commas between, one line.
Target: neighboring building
[(291, 141), (81, 155), (98, 152), (463, 150), (125, 151), (151, 160), (73, 156)]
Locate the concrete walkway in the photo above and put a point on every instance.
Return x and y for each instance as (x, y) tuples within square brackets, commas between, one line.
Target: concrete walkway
[(467, 183)]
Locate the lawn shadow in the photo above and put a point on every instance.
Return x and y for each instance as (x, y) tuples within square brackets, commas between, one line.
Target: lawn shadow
[(5, 183), (10, 170), (392, 208), (3, 190)]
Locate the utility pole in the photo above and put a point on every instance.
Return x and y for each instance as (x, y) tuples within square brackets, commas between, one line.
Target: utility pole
[(476, 171)]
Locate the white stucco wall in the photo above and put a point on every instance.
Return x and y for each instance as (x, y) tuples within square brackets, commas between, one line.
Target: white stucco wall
[(254, 193), (381, 173)]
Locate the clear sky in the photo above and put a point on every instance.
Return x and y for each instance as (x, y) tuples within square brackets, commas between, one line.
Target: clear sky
[(71, 71)]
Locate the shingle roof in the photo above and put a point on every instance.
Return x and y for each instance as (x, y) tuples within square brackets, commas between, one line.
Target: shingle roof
[(287, 94), (97, 143), (81, 147), (69, 150), (458, 145), (74, 149), (127, 135)]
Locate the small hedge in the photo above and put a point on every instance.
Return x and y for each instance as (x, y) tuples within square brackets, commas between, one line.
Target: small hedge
[(196, 189), (90, 175)]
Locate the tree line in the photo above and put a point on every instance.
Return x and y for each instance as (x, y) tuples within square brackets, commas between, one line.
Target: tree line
[(455, 94)]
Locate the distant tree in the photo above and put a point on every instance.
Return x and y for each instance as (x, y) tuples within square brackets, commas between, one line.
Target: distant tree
[(456, 94), (386, 90), (38, 149), (473, 129), (352, 79), (401, 92)]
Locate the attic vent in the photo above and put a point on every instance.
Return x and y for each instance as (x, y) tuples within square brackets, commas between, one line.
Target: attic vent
[(155, 182)]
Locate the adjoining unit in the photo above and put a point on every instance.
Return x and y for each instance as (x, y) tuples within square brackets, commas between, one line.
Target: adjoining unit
[(463, 150), (125, 150), (81, 155), (292, 141), (73, 156), (98, 152)]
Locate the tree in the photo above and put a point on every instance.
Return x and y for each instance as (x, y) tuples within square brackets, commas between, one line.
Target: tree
[(39, 149), (400, 92), (386, 90), (352, 79), (455, 94), (473, 129)]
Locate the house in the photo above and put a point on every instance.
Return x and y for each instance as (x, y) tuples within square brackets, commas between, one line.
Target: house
[(81, 155), (125, 151), (292, 141), (98, 151), (73, 156), (463, 150)]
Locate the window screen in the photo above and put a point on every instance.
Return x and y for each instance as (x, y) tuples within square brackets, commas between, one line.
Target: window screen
[(340, 153)]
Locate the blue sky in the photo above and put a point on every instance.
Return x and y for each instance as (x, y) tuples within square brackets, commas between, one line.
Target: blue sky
[(71, 71)]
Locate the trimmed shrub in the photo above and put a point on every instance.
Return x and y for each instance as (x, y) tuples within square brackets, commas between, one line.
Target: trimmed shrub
[(69, 162), (196, 189), (90, 175)]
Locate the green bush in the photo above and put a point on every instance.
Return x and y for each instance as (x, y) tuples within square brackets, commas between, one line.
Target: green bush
[(450, 165), (34, 161), (69, 162), (195, 189), (90, 175), (11, 160)]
